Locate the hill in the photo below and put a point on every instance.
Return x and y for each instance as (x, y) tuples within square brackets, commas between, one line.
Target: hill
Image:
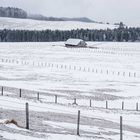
[(30, 24), (41, 17)]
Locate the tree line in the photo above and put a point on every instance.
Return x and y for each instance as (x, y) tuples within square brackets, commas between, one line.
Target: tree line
[(12, 12), (119, 34)]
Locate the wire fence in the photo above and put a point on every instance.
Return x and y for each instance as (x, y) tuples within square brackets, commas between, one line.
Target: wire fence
[(81, 124), (79, 118), (45, 97), (94, 70)]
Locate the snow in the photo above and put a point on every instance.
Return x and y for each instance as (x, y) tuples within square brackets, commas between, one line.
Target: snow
[(12, 136), (81, 73), (96, 130), (29, 24)]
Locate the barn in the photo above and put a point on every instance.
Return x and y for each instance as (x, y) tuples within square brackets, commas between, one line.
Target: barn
[(72, 42)]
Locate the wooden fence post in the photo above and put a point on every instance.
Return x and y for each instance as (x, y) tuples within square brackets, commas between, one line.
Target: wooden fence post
[(20, 93), (96, 71), (106, 104), (107, 71), (2, 91), (90, 103), (122, 105), (56, 99), (38, 96), (78, 123), (137, 107), (121, 129), (101, 71), (74, 103), (27, 116)]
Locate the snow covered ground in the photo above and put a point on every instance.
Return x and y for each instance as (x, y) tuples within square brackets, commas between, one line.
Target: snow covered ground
[(109, 73), (29, 24)]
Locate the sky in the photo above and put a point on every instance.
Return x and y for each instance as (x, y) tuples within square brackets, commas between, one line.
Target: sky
[(112, 11)]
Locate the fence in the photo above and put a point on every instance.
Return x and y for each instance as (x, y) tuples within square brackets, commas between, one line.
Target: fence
[(94, 70), (57, 99), (109, 51), (78, 119), (80, 116)]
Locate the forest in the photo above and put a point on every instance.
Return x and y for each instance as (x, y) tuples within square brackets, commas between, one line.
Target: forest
[(12, 12), (123, 34)]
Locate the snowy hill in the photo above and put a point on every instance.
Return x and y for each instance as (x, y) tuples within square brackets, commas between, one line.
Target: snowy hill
[(29, 24)]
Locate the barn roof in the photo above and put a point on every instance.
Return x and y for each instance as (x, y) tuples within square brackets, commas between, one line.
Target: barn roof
[(73, 41)]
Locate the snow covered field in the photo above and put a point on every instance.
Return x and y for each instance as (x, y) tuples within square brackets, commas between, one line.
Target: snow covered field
[(28, 24), (109, 73)]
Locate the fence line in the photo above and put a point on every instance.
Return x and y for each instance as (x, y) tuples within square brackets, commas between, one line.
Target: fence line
[(27, 121), (74, 68), (106, 51), (64, 111), (73, 101)]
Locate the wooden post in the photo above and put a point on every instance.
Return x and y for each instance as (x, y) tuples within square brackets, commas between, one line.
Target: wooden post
[(96, 71), (38, 96), (101, 71), (121, 129), (106, 104), (74, 103), (107, 71), (137, 107), (78, 123), (90, 102), (27, 116), (20, 93), (56, 99), (122, 105), (2, 91)]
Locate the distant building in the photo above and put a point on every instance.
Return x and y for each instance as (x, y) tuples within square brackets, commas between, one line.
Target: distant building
[(75, 43)]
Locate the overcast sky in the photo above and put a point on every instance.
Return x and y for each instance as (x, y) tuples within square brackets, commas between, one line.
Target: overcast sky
[(111, 11)]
